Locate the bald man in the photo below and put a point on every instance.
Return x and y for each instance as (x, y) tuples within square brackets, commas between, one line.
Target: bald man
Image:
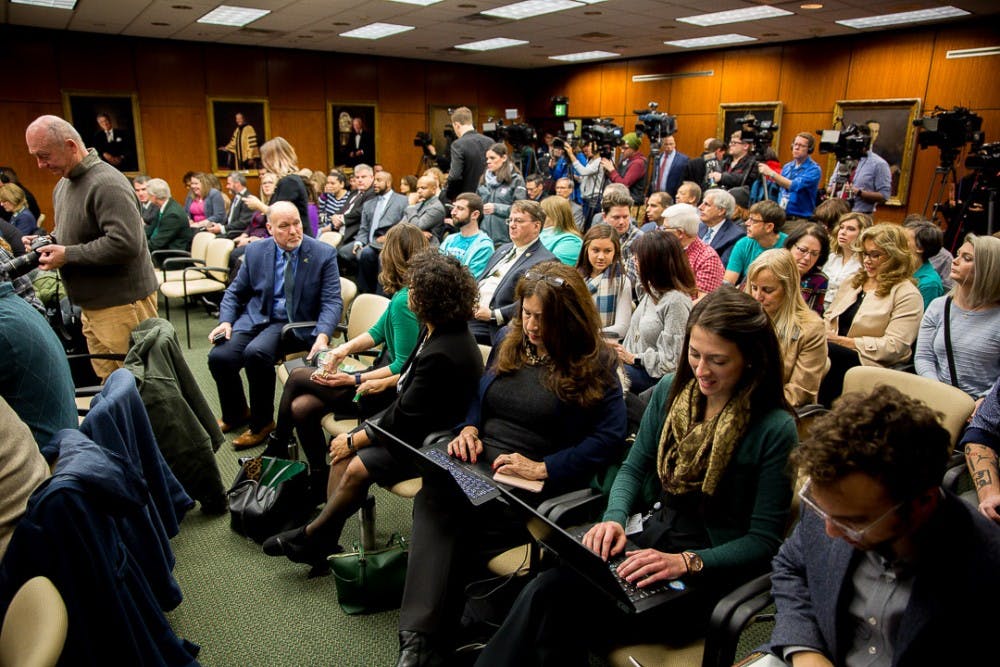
[(428, 214)]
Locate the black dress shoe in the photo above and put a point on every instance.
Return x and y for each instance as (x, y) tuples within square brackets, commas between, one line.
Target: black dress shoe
[(416, 650), (277, 447), (272, 545)]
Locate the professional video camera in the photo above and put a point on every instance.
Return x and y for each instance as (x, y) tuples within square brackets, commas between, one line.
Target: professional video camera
[(760, 133), (19, 266), (950, 131), (517, 135), (423, 140), (604, 133), (848, 144), (986, 159), (655, 124)]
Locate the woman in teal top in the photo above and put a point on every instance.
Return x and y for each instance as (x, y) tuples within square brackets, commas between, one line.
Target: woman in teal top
[(713, 445), (310, 393), (559, 234), (926, 240)]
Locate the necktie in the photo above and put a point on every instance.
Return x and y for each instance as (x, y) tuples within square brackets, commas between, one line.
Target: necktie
[(377, 218), (709, 235), (664, 170), (289, 285)]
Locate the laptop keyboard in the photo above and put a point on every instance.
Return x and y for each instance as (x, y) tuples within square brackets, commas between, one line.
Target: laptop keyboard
[(473, 486), (634, 592)]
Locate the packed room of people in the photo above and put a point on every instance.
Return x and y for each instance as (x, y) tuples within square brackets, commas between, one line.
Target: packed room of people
[(428, 333)]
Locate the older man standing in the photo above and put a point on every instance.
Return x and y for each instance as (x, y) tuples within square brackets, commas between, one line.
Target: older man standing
[(102, 252), (170, 229), (288, 278), (683, 220)]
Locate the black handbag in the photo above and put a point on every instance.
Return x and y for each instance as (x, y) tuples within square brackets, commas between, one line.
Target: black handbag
[(371, 580), (268, 496)]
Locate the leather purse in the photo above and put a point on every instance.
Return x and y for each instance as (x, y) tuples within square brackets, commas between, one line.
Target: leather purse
[(268, 496), (370, 580)]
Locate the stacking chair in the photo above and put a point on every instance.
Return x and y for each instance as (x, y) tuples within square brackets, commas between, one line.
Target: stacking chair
[(179, 258), (348, 291), (34, 627), (331, 238), (197, 280)]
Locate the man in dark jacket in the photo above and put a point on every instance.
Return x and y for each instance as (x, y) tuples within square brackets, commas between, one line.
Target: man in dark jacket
[(170, 229), (468, 154)]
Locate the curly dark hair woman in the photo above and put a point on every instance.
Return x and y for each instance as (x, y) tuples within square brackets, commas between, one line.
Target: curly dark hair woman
[(436, 384)]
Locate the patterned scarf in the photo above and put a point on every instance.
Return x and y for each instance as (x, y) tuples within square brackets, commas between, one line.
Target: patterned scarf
[(606, 290), (693, 455)]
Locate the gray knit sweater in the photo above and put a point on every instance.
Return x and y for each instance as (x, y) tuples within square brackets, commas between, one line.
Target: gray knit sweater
[(97, 218)]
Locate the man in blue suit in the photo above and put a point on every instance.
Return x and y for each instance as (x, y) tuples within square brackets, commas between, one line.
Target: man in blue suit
[(668, 170), (885, 568), (288, 278), (717, 228), (380, 213), (498, 281)]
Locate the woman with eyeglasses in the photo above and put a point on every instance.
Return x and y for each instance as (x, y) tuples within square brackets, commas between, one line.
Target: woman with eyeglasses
[(715, 440), (875, 318), (652, 345), (843, 261), (500, 186), (773, 281), (810, 247), (550, 409)]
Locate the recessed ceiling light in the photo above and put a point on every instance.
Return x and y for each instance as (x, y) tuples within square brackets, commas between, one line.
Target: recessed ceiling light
[(376, 31), (584, 55), (422, 3), (51, 4), (529, 8), (811, 5), (715, 40), (491, 44), (736, 15), (905, 17), (234, 16)]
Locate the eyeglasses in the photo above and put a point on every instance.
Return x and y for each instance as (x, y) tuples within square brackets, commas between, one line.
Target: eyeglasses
[(800, 146), (852, 533), (755, 221), (555, 281), (806, 251), (873, 256), (519, 221)]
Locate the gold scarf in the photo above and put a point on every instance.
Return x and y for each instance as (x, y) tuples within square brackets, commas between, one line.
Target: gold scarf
[(694, 455)]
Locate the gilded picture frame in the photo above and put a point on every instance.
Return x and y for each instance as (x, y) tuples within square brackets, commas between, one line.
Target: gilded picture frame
[(232, 148), (347, 146), (124, 149), (762, 111)]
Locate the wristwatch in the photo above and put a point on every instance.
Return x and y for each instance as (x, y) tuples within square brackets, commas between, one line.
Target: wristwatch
[(693, 561), (350, 443)]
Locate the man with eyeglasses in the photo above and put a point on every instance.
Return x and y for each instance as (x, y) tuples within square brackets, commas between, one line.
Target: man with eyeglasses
[(798, 180), (884, 567), (740, 168), (763, 233), (498, 281)]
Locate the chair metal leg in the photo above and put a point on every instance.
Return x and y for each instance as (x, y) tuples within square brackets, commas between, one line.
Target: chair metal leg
[(368, 524)]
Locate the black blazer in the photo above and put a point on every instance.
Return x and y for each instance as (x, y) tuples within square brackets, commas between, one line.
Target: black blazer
[(468, 162), (352, 216), (439, 380), (503, 297), (239, 216)]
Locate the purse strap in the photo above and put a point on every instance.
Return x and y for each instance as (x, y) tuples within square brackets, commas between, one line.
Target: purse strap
[(947, 343)]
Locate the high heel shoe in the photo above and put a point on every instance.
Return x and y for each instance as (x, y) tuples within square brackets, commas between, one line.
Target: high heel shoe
[(272, 545)]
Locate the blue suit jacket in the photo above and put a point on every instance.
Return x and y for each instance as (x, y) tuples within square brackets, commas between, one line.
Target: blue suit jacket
[(247, 301), (393, 213), (958, 569), (724, 239), (674, 177), (503, 297)]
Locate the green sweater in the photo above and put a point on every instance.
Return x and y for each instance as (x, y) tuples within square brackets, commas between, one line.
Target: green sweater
[(398, 329), (747, 518)]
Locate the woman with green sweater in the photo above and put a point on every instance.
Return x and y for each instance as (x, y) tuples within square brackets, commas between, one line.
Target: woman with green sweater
[(311, 393), (713, 444)]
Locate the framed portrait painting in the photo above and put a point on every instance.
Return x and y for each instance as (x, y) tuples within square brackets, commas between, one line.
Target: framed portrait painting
[(352, 129), (893, 136), (237, 127), (763, 112), (109, 123)]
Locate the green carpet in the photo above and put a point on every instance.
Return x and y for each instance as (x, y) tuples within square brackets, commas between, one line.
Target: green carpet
[(245, 608)]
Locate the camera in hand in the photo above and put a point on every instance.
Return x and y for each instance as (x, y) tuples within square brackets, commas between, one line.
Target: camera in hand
[(950, 131), (423, 140), (219, 338), (604, 133), (760, 133), (655, 124), (21, 265), (849, 143)]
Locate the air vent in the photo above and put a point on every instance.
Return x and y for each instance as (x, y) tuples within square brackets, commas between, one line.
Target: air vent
[(262, 32), (595, 37), (483, 20)]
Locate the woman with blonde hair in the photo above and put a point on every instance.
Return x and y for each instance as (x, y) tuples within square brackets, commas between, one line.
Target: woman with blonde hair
[(559, 233), (279, 158), (875, 318), (843, 261), (967, 320), (773, 281), (14, 202)]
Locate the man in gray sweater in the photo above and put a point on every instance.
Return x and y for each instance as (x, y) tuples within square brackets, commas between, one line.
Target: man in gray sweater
[(102, 250)]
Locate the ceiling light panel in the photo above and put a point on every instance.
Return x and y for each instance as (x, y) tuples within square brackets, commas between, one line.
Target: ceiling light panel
[(715, 40), (233, 16), (529, 8), (491, 44), (51, 4), (736, 16), (376, 31), (935, 14), (584, 55)]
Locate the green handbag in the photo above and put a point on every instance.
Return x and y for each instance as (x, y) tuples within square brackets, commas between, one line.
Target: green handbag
[(370, 581)]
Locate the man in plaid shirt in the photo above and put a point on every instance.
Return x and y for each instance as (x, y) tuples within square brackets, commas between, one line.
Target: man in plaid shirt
[(682, 220)]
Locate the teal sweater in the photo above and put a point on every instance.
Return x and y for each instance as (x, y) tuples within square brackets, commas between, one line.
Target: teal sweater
[(398, 329), (747, 518)]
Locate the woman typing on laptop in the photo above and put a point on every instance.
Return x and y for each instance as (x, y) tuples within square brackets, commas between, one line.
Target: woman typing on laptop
[(717, 435), (550, 408)]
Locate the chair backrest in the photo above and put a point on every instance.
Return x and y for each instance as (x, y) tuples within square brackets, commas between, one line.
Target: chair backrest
[(954, 404), (365, 311), (218, 255), (34, 628), (40, 222), (331, 238), (485, 350), (199, 244), (348, 290)]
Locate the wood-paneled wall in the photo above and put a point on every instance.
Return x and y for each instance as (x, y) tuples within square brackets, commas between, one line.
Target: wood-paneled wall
[(173, 79)]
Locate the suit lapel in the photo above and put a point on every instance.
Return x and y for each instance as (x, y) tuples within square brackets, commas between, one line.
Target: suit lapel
[(270, 277), (305, 253)]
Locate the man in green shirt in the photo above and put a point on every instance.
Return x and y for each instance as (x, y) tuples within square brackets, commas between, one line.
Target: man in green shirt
[(763, 233)]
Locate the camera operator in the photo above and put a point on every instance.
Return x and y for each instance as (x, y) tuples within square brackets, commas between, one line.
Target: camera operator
[(468, 154), (798, 180), (868, 184), (631, 170), (558, 162), (698, 169), (740, 168), (103, 255), (591, 179)]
